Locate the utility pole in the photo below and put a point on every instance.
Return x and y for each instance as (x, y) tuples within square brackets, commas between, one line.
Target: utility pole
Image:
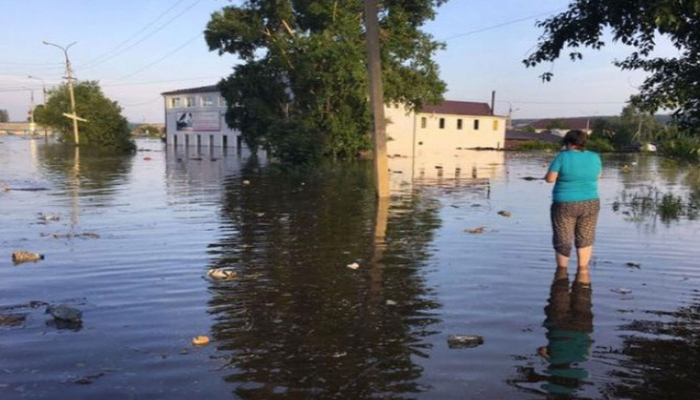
[(376, 99), (43, 87), (32, 126), (69, 77)]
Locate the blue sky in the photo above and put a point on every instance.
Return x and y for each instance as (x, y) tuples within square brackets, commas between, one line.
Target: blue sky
[(139, 49)]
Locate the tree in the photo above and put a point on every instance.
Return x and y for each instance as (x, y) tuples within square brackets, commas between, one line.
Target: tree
[(302, 90), (4, 116), (106, 127), (673, 83)]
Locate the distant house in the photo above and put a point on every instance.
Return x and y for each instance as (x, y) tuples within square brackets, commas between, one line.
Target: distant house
[(516, 137), (196, 117), (559, 126), (443, 129)]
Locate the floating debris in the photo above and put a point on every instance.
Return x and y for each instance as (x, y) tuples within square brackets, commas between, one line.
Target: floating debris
[(222, 273), (504, 213), (22, 256), (88, 379), (634, 264), (12, 320), (200, 341), (531, 178), (246, 182), (354, 265), (391, 303), (478, 229), (464, 341), (84, 235), (49, 217), (622, 291), (65, 313)]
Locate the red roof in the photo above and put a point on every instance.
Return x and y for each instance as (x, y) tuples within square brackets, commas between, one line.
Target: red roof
[(458, 108)]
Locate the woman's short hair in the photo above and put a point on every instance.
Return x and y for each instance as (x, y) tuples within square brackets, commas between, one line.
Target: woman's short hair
[(575, 137)]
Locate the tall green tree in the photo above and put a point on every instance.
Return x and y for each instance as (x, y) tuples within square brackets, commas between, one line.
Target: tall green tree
[(302, 89), (4, 116), (672, 83), (106, 127)]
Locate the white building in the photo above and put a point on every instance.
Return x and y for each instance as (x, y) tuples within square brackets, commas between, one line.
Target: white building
[(196, 117)]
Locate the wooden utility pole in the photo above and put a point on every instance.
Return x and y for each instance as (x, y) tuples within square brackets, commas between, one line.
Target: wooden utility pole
[(69, 77), (376, 99)]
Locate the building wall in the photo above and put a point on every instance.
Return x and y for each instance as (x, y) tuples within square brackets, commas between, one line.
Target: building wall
[(198, 119), (415, 135)]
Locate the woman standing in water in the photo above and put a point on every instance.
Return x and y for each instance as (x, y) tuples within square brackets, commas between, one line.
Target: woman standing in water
[(575, 203)]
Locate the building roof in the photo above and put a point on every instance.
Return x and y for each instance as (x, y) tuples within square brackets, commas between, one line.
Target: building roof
[(581, 123), (201, 89), (458, 108)]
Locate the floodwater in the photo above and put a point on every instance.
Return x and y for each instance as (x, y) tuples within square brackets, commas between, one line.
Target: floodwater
[(129, 241)]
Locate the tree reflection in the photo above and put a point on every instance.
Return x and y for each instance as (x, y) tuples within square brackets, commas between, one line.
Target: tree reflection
[(89, 168), (299, 323), (660, 357)]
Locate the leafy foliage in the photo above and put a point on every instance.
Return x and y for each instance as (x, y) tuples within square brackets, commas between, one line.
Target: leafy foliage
[(302, 91), (673, 83), (106, 127)]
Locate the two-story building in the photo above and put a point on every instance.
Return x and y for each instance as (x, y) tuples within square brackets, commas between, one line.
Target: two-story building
[(196, 117)]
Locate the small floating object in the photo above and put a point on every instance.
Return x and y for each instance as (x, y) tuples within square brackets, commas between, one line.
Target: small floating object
[(504, 213), (64, 313), (200, 341), (464, 341), (634, 264), (391, 302), (49, 217), (246, 182), (22, 256), (622, 291), (222, 273), (530, 178), (478, 229), (354, 265)]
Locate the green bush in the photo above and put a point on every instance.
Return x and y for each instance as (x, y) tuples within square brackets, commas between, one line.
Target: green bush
[(600, 145)]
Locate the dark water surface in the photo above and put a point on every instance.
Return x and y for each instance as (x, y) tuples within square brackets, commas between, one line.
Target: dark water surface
[(129, 241)]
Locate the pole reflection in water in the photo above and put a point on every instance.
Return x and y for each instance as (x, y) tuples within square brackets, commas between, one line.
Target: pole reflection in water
[(569, 322), (299, 324)]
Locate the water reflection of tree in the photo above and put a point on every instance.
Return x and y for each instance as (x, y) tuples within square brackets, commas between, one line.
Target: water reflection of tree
[(299, 323), (657, 189), (90, 168), (659, 359)]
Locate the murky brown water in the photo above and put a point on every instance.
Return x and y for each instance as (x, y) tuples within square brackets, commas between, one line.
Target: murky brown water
[(135, 237)]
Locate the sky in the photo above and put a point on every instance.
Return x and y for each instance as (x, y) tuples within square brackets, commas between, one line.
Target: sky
[(137, 50)]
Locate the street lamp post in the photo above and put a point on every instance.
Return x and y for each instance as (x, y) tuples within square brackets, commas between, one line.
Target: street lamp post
[(43, 86), (69, 77)]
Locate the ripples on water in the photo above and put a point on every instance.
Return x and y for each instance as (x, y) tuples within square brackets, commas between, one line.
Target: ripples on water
[(136, 236)]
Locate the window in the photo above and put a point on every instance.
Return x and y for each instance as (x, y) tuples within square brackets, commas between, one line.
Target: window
[(442, 123), (207, 101), (495, 124), (175, 102), (190, 101), (459, 124), (476, 124), (423, 122)]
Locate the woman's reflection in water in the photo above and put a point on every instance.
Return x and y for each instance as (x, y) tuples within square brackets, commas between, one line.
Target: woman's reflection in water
[(569, 322)]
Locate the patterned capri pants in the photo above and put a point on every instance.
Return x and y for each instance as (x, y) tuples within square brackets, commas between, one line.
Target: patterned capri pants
[(574, 223)]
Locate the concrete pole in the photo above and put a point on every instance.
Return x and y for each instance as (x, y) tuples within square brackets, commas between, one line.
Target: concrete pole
[(376, 99), (69, 77), (43, 87)]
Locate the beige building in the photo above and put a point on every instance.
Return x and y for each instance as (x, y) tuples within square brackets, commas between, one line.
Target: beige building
[(196, 117), (443, 129), (440, 142)]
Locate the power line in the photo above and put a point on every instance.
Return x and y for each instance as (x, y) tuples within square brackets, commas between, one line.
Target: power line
[(502, 24), (107, 56)]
